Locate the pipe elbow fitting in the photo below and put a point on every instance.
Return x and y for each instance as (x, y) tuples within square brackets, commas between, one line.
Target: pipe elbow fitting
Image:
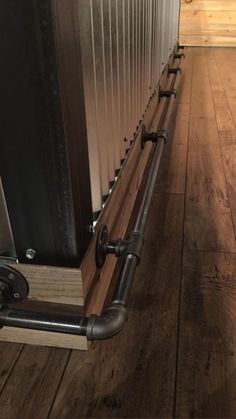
[(109, 324)]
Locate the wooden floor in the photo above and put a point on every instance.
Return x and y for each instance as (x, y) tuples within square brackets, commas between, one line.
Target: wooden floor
[(177, 355)]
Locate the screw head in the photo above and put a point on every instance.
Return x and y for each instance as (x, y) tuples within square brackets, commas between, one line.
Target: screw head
[(30, 253), (11, 277), (92, 229), (16, 295)]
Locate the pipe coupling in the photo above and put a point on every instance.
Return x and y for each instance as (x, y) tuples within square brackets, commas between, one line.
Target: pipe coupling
[(134, 245)]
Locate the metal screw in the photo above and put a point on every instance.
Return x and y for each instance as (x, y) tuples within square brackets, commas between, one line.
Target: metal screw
[(11, 277), (16, 295), (91, 229), (30, 253)]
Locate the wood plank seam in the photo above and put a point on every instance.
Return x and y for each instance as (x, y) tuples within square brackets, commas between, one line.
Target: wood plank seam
[(59, 383), (12, 368), (182, 256), (222, 157)]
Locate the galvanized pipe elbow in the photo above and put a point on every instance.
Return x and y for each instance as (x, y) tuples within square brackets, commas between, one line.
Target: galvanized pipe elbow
[(108, 324)]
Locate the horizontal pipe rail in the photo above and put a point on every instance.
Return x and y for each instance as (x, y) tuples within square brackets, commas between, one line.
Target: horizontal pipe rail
[(43, 321), (112, 320)]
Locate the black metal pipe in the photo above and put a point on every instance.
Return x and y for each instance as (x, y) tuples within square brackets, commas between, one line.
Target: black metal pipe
[(113, 319), (43, 321)]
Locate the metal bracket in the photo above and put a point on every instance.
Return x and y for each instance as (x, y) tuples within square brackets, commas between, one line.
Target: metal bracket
[(152, 136), (179, 55), (13, 285), (166, 93), (172, 70), (104, 246)]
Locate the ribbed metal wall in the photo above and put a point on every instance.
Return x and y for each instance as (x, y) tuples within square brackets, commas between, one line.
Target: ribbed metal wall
[(125, 45)]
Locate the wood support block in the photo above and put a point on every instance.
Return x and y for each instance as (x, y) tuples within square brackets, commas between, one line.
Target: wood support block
[(38, 337), (53, 284)]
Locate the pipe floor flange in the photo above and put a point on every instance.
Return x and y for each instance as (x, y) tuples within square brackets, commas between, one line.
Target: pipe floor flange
[(13, 285)]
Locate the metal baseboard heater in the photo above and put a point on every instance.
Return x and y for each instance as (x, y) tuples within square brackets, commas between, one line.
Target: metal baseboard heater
[(14, 286)]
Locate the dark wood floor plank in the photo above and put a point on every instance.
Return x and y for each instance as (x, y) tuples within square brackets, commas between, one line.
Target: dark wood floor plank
[(229, 159), (227, 69), (199, 66), (207, 349), (214, 74), (32, 385), (172, 175), (198, 51), (202, 105), (223, 113), (207, 388), (232, 105), (208, 223), (224, 117), (227, 137), (133, 375), (208, 305), (185, 86), (9, 353)]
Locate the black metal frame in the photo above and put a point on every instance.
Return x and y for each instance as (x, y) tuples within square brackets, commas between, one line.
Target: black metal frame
[(43, 150)]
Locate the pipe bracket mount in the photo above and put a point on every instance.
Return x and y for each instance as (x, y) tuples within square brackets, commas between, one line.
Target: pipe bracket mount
[(167, 93), (104, 246), (179, 55), (154, 137)]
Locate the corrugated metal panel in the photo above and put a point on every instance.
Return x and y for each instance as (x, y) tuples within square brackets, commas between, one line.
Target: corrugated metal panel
[(125, 46)]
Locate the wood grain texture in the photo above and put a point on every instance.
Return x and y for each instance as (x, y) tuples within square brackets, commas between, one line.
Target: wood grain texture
[(229, 159), (53, 284), (232, 105), (223, 112), (207, 387), (228, 76), (30, 390), (208, 23), (209, 289), (206, 369), (211, 5), (9, 352), (37, 337), (208, 223), (184, 89), (202, 105), (227, 137), (172, 175), (133, 374)]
